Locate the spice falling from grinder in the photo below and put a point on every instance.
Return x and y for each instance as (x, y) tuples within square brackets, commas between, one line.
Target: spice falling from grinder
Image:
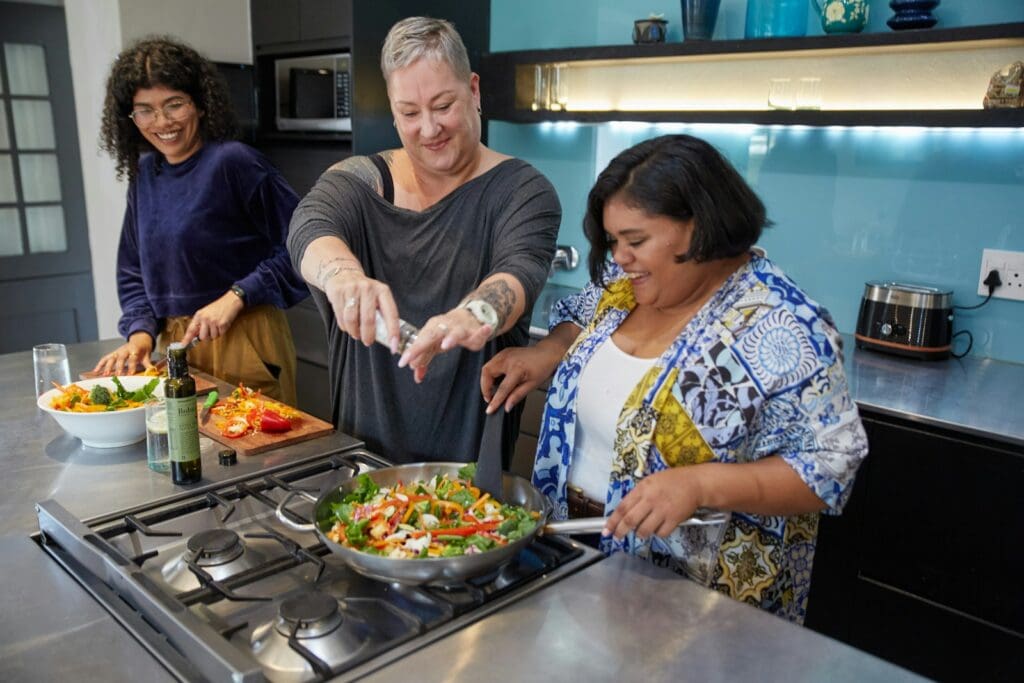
[(406, 334)]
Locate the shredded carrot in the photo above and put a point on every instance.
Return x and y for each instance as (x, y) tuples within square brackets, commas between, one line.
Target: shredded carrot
[(380, 520), (478, 502), (451, 506)]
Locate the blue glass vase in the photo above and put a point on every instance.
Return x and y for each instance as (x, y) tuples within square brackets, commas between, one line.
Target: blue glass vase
[(912, 14), (776, 18)]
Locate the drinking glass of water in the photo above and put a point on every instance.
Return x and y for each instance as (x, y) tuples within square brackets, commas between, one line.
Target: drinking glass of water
[(50, 362), (157, 454)]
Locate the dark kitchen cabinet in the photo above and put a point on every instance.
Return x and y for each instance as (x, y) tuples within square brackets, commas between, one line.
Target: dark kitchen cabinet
[(273, 22), (312, 381), (324, 19), (281, 26), (529, 431), (923, 568)]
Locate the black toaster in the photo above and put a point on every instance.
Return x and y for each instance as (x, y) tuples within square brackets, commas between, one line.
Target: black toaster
[(907, 320)]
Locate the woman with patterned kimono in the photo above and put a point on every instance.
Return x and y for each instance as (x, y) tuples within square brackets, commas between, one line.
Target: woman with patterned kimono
[(691, 373)]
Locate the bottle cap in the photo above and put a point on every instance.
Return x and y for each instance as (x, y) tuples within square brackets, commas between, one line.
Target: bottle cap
[(227, 457)]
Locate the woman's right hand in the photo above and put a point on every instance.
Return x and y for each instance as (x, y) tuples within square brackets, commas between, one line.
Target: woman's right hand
[(522, 369), (125, 359), (514, 372), (356, 299)]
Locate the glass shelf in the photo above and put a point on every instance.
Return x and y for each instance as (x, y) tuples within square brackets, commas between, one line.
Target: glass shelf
[(930, 78)]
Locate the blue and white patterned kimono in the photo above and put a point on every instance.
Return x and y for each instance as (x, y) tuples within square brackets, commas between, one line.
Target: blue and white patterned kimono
[(756, 372)]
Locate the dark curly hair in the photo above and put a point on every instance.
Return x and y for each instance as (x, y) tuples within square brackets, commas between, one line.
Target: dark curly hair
[(161, 61), (681, 177)]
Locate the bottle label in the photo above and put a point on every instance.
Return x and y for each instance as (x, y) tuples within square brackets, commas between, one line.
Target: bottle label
[(182, 429)]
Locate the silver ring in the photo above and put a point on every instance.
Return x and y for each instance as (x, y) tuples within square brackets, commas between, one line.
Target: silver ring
[(350, 303)]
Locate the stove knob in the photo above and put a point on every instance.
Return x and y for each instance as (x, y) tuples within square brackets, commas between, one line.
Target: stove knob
[(900, 330), (885, 329)]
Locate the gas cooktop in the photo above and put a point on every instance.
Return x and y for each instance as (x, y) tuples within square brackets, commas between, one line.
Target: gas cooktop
[(217, 588)]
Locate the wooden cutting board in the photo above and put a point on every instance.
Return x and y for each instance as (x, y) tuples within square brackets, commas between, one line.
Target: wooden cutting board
[(306, 427), (203, 385)]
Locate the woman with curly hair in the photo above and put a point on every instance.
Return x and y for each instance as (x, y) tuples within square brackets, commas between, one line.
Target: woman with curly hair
[(202, 252)]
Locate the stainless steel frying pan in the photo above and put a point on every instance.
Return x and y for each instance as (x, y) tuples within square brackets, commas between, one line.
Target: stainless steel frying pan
[(516, 491)]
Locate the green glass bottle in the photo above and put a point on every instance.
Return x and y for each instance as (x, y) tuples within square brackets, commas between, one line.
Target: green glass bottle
[(182, 423)]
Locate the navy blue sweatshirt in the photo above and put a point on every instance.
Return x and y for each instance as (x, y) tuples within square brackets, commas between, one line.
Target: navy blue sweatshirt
[(191, 230)]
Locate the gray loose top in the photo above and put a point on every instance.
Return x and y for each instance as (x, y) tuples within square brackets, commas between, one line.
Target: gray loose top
[(504, 221)]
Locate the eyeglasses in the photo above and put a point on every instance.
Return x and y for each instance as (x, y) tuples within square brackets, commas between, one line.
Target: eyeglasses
[(175, 110)]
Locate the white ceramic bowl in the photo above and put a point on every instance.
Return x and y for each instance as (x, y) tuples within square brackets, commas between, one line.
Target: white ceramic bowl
[(103, 430)]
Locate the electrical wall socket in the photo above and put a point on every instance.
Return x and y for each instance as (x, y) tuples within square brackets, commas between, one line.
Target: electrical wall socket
[(1010, 265)]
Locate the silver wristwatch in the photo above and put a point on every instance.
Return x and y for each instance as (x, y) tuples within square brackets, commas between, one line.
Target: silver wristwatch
[(484, 313)]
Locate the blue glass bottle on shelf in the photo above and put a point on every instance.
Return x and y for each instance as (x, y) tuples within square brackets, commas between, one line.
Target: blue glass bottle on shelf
[(912, 14), (776, 18)]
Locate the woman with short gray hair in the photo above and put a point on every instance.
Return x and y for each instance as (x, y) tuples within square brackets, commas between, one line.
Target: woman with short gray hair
[(418, 37), (452, 235)]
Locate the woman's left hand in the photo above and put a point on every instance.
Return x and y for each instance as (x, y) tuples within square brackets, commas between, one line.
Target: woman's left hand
[(441, 333), (213, 320), (659, 503)]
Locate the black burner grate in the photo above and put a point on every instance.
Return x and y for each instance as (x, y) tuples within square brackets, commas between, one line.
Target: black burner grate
[(293, 582)]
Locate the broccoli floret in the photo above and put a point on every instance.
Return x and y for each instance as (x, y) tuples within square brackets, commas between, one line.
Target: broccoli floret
[(100, 395)]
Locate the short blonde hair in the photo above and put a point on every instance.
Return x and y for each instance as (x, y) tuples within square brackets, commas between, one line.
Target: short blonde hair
[(416, 37)]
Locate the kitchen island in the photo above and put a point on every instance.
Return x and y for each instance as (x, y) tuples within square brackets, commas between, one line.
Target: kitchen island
[(53, 630), (625, 620), (56, 630)]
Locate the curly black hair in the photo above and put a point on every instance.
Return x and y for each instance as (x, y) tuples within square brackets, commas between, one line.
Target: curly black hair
[(161, 61), (681, 177)]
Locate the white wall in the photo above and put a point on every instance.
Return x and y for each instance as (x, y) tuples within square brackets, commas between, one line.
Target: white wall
[(94, 39), (97, 31), (219, 29)]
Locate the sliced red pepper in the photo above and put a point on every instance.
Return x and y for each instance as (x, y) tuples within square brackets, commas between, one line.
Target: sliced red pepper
[(273, 422), (458, 531), (236, 427)]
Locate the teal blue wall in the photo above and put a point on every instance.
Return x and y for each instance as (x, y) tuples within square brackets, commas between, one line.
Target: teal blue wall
[(541, 24), (849, 204)]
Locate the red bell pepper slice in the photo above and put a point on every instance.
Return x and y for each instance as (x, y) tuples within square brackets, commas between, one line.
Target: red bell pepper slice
[(236, 427), (273, 422), (457, 531)]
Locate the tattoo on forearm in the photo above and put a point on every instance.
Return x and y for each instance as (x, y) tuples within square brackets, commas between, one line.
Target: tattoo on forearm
[(331, 267), (502, 297), (327, 264), (362, 168)]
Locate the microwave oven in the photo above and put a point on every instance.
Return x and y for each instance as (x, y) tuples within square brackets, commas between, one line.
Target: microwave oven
[(314, 93)]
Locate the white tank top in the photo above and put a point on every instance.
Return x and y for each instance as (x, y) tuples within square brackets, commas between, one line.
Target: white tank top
[(605, 384)]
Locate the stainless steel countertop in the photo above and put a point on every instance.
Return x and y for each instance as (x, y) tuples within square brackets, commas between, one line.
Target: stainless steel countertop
[(666, 629), (975, 396), (662, 628), (53, 629)]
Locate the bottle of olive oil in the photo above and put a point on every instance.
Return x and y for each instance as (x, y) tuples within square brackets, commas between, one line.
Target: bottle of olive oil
[(182, 424)]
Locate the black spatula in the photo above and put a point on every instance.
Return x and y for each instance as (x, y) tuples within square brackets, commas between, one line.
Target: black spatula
[(488, 464)]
